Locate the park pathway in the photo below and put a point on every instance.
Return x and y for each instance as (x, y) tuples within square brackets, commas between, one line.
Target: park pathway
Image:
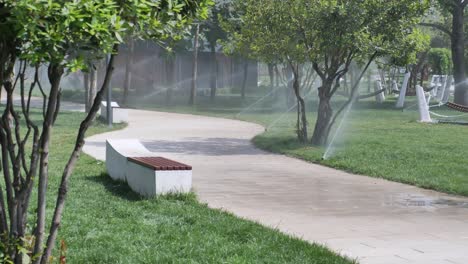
[(372, 220)]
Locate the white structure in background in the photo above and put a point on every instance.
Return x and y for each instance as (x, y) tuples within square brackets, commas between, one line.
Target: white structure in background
[(442, 87), (119, 115), (395, 88), (401, 99), (379, 97), (424, 115), (117, 153), (155, 176), (435, 83), (128, 160), (448, 89)]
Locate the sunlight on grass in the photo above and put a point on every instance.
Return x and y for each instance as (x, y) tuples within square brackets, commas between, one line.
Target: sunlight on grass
[(105, 222), (378, 141)]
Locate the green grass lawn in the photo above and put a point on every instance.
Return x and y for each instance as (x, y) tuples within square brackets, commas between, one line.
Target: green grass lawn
[(389, 144), (377, 141), (105, 222)]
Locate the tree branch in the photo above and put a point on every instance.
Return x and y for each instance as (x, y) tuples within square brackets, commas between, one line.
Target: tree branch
[(55, 73), (440, 27), (63, 189), (353, 91), (360, 97)]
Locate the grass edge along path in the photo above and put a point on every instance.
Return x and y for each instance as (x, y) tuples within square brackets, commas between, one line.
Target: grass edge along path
[(379, 141), (105, 222)]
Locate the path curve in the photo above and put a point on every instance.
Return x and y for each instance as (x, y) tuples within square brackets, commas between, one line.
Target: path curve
[(373, 220)]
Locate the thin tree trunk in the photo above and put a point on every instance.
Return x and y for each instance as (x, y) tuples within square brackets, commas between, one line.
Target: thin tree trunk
[(458, 56), (301, 110), (214, 73), (277, 79), (325, 117), (244, 79), (63, 189), (290, 83), (171, 77), (271, 74), (128, 70), (369, 81), (93, 85), (193, 90), (55, 73), (345, 86), (415, 70), (86, 85)]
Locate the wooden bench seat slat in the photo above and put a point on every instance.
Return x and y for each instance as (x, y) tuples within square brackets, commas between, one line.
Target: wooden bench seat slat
[(159, 163)]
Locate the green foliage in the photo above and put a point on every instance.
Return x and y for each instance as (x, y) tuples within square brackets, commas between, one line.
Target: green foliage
[(440, 60), (72, 33), (318, 30), (68, 35), (211, 28), (407, 53), (65, 32)]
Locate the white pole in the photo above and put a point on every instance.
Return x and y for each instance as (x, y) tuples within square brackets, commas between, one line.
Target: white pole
[(424, 114), (380, 97), (448, 86), (404, 88)]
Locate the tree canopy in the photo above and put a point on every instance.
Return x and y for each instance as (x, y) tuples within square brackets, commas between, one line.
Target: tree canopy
[(330, 35), (64, 36)]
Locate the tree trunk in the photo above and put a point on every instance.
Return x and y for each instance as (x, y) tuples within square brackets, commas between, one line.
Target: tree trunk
[(345, 85), (213, 73), (324, 115), (171, 77), (128, 70), (271, 74), (415, 71), (55, 73), (244, 79), (92, 86), (79, 143), (193, 90), (301, 110), (86, 89), (458, 56), (277, 80), (369, 81)]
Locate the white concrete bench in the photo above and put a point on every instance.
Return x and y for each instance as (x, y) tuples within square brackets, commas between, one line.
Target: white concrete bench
[(152, 176), (117, 152), (128, 160), (119, 115)]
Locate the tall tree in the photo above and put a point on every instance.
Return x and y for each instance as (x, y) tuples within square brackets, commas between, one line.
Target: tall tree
[(456, 31), (213, 32), (66, 36), (128, 68), (193, 89), (252, 32), (331, 35)]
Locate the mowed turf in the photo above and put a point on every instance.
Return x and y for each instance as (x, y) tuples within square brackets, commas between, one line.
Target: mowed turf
[(375, 140), (389, 144), (105, 222)]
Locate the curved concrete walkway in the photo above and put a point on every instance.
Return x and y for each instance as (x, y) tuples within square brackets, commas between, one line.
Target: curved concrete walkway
[(373, 220)]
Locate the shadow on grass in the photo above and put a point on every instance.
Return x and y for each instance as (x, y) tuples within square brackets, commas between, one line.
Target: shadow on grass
[(117, 188), (122, 190), (282, 143)]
